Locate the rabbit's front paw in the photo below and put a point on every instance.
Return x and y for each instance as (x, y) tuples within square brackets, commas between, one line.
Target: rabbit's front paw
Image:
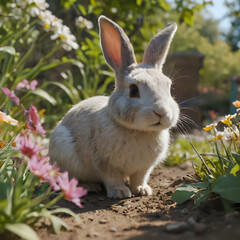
[(144, 190), (123, 192)]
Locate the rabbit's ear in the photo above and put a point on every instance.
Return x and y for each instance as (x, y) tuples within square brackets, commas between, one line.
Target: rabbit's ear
[(157, 49), (116, 47)]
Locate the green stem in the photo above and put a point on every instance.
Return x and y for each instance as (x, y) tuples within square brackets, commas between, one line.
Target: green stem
[(55, 200)]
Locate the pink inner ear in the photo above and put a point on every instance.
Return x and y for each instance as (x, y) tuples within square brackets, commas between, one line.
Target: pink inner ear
[(112, 43)]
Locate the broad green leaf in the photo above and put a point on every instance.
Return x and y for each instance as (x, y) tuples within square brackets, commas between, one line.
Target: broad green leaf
[(200, 196), (228, 187), (183, 193), (8, 49), (204, 184), (22, 230), (45, 95)]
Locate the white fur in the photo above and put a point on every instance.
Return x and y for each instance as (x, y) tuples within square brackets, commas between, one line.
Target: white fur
[(106, 139)]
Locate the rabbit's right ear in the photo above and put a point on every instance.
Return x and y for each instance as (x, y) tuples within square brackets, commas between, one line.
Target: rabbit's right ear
[(157, 49), (116, 46)]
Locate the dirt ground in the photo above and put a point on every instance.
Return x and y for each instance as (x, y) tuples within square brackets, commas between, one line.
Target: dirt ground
[(153, 217)]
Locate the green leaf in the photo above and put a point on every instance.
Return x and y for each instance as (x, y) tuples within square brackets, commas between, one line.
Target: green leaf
[(204, 184), (4, 189), (165, 5), (236, 157), (22, 230), (138, 2), (8, 49), (183, 193), (201, 196), (188, 16), (62, 86), (82, 9), (57, 223), (45, 95), (235, 169), (67, 211), (228, 187)]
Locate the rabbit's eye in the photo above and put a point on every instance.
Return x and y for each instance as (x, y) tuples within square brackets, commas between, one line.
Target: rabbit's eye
[(133, 91)]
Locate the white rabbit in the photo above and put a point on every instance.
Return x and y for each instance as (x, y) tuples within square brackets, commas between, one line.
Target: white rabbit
[(106, 139)]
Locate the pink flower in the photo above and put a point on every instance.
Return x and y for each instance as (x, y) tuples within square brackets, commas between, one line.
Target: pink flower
[(42, 168), (33, 120), (71, 191), (12, 95), (28, 147), (28, 85)]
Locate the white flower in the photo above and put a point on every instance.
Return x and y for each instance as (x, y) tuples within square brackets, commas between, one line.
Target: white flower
[(231, 133), (64, 34), (50, 22), (35, 6), (82, 22)]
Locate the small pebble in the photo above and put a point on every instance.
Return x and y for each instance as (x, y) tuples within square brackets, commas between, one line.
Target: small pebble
[(90, 218), (113, 229), (191, 221), (103, 221), (101, 199), (177, 227), (95, 234), (185, 211)]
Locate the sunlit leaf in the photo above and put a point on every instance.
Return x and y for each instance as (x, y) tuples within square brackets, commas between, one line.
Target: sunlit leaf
[(183, 193), (22, 230), (45, 95)]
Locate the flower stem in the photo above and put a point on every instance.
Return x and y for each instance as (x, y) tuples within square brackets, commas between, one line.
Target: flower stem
[(55, 200)]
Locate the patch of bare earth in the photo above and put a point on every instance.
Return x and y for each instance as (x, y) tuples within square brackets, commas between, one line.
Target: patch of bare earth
[(153, 217)]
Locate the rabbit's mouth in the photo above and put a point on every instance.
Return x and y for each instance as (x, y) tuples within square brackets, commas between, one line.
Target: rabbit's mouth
[(156, 124)]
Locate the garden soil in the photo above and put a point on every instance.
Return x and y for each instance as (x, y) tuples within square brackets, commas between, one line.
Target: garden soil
[(149, 217)]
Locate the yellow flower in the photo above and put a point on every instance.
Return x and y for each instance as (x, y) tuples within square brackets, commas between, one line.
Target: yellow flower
[(227, 122), (7, 119), (228, 118), (2, 144), (219, 135), (210, 127), (236, 104)]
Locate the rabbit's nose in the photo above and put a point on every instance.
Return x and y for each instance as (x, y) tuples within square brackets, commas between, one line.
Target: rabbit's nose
[(159, 114)]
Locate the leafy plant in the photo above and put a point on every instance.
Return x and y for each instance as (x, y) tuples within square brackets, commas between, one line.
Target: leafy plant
[(28, 182), (219, 171)]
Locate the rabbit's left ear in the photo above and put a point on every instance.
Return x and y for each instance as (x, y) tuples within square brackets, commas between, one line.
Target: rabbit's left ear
[(116, 47), (157, 49)]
